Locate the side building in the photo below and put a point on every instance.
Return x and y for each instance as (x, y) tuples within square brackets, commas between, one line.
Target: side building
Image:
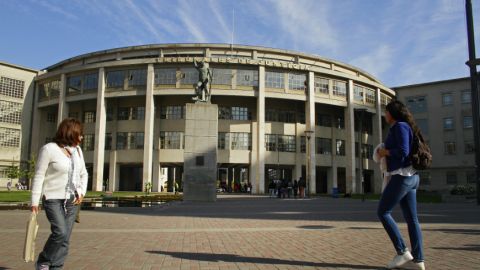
[(16, 102), (282, 115), (443, 111)]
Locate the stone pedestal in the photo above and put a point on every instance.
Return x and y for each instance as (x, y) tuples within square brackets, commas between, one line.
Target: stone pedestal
[(200, 155)]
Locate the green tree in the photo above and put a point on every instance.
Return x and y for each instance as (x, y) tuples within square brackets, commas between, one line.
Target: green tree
[(13, 172), (29, 173)]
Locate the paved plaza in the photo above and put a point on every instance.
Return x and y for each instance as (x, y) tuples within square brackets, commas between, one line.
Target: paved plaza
[(250, 232)]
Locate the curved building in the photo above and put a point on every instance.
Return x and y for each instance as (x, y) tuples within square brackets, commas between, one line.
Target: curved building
[(282, 115)]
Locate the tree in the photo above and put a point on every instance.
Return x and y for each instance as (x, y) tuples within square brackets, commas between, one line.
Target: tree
[(29, 173), (13, 172)]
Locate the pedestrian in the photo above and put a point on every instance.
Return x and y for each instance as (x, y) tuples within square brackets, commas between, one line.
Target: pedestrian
[(61, 176), (295, 188), (401, 188), (301, 187), (289, 188), (271, 189), (9, 185)]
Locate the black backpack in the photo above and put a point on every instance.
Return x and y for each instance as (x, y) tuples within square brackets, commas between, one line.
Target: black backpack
[(420, 154)]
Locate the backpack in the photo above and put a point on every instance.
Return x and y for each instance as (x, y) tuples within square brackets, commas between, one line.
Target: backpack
[(420, 154)]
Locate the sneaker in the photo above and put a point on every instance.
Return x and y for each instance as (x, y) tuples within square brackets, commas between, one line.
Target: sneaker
[(414, 265), (43, 267), (400, 260)]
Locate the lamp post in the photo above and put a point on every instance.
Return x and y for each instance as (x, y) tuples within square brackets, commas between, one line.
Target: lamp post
[(308, 135), (361, 111)]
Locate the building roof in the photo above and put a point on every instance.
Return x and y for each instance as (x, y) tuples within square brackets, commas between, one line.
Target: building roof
[(405, 87), (18, 67)]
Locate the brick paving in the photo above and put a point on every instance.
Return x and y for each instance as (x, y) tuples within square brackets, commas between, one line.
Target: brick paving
[(250, 232)]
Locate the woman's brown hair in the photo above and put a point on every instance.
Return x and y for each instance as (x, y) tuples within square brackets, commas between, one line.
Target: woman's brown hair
[(69, 132)]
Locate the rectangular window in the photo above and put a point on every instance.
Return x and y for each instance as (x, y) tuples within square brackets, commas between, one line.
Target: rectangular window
[(109, 113), (73, 115), (285, 116), (271, 115), (452, 178), (91, 81), (222, 76), (340, 122), (447, 99), (165, 76), (121, 140), (123, 113), (49, 89), (137, 77), (286, 143), (339, 88), (138, 113), (274, 80), (467, 122), (115, 79), (303, 144), (11, 112), (424, 178), (88, 142), (367, 151), (108, 141), (89, 117), (321, 85), (51, 117), (448, 123), (11, 87), (369, 96), (471, 177), (224, 113), (469, 147), (131, 113), (358, 93), (172, 112), (450, 148), (270, 142), (241, 141), (240, 113), (324, 146), (417, 104), (135, 140), (74, 85), (324, 120), (340, 151), (223, 142), (466, 96), (171, 140), (297, 81), (247, 77), (9, 137), (188, 76)]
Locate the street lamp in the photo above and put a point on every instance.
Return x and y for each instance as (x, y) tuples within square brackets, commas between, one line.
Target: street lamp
[(361, 111), (308, 135)]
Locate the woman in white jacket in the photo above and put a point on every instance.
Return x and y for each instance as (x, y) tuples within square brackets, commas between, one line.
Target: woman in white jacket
[(61, 176)]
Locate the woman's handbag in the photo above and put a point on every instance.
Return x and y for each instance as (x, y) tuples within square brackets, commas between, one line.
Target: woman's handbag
[(31, 234)]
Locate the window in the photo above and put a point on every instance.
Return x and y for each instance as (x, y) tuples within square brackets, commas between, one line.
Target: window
[(384, 99), (303, 144), (324, 120), (340, 122), (452, 178), (324, 146), (131, 113), (108, 141), (321, 85), (49, 89), (171, 140), (130, 140), (165, 76), (339, 88), (447, 99), (471, 177), (240, 113), (51, 117), (469, 147), (422, 125), (188, 76), (11, 87), (450, 148), (297, 81), (88, 142), (340, 148), (172, 112), (123, 113), (286, 143), (424, 178), (358, 93), (271, 142), (89, 117), (448, 123), (241, 141), (271, 115), (274, 80), (467, 122), (222, 76), (138, 113), (466, 96), (115, 78), (91, 81), (109, 113), (137, 77), (367, 151), (417, 104), (285, 116), (223, 142), (9, 137), (74, 85), (73, 115), (224, 113), (11, 112), (247, 77), (369, 96)]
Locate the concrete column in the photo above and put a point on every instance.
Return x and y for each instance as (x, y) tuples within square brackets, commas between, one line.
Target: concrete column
[(100, 126), (148, 135), (113, 173), (350, 141), (333, 181), (310, 119), (62, 103), (253, 159), (298, 161), (156, 174), (36, 123), (377, 139), (261, 131)]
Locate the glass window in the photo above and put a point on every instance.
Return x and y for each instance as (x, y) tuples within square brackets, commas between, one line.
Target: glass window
[(121, 140), (109, 113), (467, 122), (450, 148), (115, 78), (11, 87), (340, 122), (452, 178), (172, 112), (49, 89), (135, 140), (188, 76), (424, 178), (367, 151), (222, 76), (138, 113), (324, 120), (369, 96), (297, 81), (240, 113), (339, 88), (73, 115), (123, 113), (324, 146), (466, 96), (274, 80), (448, 123), (469, 147), (417, 104), (247, 77), (74, 85), (108, 141), (358, 93), (285, 116), (224, 113), (11, 112), (131, 113), (471, 177), (88, 142), (165, 76), (89, 117), (9, 137), (91, 81), (286, 143), (223, 142), (271, 115), (447, 99), (303, 144), (51, 117), (271, 142), (321, 85), (422, 125), (340, 151), (171, 140), (241, 141), (137, 77)]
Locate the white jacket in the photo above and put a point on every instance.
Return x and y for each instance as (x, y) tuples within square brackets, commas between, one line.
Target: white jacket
[(51, 174)]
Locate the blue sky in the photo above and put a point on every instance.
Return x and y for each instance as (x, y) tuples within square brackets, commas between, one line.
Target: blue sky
[(400, 42)]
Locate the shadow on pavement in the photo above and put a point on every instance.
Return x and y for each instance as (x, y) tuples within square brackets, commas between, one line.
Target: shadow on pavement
[(456, 231), (464, 248), (315, 227), (240, 259)]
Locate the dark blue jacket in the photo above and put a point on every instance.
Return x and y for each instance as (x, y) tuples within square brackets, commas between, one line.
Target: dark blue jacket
[(399, 143)]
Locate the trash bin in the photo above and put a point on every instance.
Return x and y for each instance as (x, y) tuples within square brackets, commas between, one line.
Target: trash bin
[(334, 192)]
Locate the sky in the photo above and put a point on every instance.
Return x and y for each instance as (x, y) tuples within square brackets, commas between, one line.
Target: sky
[(400, 42)]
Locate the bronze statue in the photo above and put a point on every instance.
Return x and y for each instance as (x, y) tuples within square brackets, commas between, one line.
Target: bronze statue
[(204, 79)]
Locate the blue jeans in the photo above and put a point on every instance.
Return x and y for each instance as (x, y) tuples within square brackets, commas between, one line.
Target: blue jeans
[(61, 225), (403, 190)]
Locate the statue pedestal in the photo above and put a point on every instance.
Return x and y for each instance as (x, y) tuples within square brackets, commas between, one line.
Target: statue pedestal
[(200, 154)]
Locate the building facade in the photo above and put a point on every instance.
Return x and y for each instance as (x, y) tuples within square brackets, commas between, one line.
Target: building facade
[(282, 115), (443, 111), (16, 102)]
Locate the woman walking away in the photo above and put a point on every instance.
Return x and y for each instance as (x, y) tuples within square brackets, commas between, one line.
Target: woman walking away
[(61, 177), (402, 187)]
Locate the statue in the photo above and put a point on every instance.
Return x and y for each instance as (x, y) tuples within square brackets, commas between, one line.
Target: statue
[(204, 78)]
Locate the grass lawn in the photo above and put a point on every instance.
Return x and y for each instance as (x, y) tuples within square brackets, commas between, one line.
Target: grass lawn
[(15, 196)]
